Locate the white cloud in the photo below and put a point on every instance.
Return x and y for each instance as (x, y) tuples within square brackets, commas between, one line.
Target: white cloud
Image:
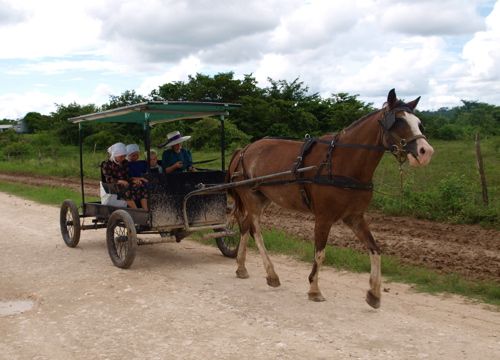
[(313, 24), (446, 17), (67, 66), (48, 29), (9, 14), (482, 53), (272, 66), (179, 72), (16, 105)]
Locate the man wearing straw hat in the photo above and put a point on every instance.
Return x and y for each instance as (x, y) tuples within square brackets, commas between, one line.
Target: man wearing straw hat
[(175, 158)]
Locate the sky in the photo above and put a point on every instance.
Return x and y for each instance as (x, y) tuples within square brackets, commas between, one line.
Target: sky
[(83, 51)]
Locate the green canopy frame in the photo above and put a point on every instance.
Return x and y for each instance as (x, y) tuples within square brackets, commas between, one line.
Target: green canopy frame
[(155, 112)]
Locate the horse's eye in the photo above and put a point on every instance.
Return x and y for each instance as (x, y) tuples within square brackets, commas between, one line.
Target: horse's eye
[(421, 127)]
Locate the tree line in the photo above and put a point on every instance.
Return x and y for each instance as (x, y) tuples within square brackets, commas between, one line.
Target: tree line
[(283, 108)]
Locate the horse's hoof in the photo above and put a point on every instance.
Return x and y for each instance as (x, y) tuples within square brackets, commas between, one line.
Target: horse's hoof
[(274, 282), (242, 274), (373, 301), (316, 297)]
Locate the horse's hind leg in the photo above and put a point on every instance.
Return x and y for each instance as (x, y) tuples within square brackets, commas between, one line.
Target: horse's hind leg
[(359, 226), (272, 278), (249, 225), (321, 231), (244, 225)]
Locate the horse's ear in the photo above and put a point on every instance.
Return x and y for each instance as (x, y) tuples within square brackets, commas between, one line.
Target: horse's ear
[(413, 104), (392, 98)]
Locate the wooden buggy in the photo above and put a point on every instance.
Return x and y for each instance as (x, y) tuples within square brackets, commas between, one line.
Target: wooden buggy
[(177, 204)]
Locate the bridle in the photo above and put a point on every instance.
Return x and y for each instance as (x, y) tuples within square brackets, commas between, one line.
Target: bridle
[(398, 146)]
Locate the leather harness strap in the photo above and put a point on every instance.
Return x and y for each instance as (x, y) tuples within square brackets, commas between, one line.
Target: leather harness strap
[(399, 149)]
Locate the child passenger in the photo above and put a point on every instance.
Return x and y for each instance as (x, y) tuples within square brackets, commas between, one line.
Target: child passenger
[(154, 167)]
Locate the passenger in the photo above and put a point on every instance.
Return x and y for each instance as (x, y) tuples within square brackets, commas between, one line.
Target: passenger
[(176, 159), (136, 168), (154, 167), (115, 171)]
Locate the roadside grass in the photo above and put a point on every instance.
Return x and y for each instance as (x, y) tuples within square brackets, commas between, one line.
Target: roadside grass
[(43, 194), (421, 279)]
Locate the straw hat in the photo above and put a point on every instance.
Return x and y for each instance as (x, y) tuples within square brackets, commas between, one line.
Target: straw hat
[(175, 138)]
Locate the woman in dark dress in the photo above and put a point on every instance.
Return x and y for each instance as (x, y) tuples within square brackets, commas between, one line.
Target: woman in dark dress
[(115, 171)]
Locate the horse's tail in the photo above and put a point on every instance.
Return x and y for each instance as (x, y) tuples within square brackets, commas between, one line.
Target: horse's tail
[(232, 168)]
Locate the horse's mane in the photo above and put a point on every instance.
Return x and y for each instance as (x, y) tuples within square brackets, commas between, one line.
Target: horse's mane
[(399, 103), (360, 120)]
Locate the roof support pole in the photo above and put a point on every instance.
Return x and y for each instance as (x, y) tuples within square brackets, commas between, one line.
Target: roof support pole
[(222, 144), (147, 145), (80, 142)]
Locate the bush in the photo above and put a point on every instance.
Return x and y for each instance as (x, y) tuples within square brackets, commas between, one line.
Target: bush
[(450, 132), (17, 149), (206, 135), (102, 140)]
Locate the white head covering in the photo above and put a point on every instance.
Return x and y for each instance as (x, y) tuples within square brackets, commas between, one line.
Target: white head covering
[(117, 149), (175, 138), (132, 148)]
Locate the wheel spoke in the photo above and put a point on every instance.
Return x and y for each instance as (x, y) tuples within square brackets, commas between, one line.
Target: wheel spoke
[(121, 240)]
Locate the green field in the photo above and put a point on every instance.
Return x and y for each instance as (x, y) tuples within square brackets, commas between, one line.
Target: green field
[(447, 190)]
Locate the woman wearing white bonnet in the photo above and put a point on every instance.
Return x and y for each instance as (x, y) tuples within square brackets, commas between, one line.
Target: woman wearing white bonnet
[(132, 152), (117, 150), (115, 171)]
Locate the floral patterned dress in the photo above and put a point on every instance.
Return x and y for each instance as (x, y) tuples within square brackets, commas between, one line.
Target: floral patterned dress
[(113, 172)]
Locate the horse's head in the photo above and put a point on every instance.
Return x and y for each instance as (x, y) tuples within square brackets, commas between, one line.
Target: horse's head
[(403, 131)]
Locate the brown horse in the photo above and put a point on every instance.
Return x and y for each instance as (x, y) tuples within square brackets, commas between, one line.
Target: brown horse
[(338, 187)]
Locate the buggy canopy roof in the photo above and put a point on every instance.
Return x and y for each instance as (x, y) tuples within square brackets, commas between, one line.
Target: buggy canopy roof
[(154, 112)]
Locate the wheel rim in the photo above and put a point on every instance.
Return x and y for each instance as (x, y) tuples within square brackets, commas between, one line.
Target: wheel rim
[(231, 242), (120, 240)]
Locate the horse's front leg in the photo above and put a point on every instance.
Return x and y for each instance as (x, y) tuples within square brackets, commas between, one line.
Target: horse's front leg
[(321, 231), (359, 226)]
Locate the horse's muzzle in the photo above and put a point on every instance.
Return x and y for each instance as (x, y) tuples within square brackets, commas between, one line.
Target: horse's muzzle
[(419, 152)]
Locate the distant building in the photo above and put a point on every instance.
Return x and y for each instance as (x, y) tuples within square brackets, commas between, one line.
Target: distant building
[(5, 127), (22, 126)]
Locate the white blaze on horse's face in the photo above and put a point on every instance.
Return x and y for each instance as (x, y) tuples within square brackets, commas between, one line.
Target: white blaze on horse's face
[(424, 149)]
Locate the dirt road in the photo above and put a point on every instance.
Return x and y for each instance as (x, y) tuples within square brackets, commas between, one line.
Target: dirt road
[(183, 301)]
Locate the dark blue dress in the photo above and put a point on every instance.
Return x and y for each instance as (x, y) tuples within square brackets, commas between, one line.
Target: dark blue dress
[(170, 157)]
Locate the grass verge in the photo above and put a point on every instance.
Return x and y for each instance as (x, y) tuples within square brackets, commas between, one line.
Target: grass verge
[(42, 194), (279, 242)]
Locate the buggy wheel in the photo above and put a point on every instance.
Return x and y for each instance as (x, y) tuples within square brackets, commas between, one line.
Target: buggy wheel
[(70, 223), (228, 245), (121, 239)]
